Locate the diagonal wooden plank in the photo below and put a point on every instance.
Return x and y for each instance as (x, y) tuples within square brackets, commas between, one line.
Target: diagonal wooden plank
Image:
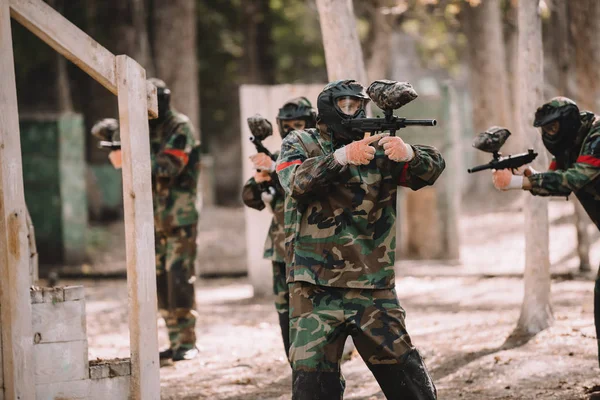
[(139, 230), (70, 41), (15, 314)]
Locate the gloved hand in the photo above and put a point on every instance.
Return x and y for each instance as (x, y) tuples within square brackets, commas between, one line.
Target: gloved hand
[(262, 176), (115, 158), (396, 150), (263, 162), (267, 198), (359, 152), (505, 180)]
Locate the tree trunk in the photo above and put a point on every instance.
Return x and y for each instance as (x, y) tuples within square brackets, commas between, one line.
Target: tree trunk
[(511, 40), (343, 54), (483, 27), (174, 49), (536, 313), (584, 15), (259, 64), (380, 42), (489, 83)]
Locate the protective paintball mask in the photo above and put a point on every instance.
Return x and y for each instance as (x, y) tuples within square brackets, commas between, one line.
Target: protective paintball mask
[(342, 100)]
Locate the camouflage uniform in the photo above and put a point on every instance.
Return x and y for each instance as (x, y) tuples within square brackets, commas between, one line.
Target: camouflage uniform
[(578, 171), (340, 227), (175, 170), (274, 247)]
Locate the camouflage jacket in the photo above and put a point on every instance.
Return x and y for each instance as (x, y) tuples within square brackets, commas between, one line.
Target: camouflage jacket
[(175, 169), (251, 195), (582, 176), (340, 221)]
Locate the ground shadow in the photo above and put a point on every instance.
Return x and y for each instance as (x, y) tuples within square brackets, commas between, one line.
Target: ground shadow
[(458, 361)]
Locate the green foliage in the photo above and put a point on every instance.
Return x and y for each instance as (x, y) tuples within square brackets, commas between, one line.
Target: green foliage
[(297, 42)]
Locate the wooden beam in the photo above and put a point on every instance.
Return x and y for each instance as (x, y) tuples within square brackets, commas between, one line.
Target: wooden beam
[(70, 41), (139, 229), (15, 313)]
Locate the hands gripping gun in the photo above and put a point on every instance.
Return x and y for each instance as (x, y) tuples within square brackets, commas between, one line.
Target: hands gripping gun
[(107, 130), (389, 96), (491, 141), (261, 129)]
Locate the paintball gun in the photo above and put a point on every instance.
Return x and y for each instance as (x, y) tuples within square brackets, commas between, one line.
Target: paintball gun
[(107, 130), (261, 129), (389, 96), (491, 141)]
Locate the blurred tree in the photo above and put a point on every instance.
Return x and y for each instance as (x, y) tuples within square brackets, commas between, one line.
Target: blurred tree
[(536, 312), (489, 83), (174, 50)]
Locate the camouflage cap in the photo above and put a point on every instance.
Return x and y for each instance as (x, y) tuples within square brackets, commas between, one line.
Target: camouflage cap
[(554, 109), (492, 139)]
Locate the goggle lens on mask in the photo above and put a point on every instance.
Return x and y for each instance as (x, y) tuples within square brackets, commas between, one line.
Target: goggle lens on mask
[(349, 105), (551, 128)]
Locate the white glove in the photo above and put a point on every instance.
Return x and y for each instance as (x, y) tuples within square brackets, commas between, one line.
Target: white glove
[(505, 180)]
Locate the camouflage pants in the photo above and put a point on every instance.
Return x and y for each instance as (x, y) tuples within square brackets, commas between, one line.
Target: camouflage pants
[(175, 255), (282, 302), (280, 288), (320, 320)]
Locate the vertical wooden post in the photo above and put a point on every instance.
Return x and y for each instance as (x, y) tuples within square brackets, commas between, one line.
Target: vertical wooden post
[(139, 229), (17, 334)]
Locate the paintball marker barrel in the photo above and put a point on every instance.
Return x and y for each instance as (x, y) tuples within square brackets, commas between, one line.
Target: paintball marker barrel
[(420, 122)]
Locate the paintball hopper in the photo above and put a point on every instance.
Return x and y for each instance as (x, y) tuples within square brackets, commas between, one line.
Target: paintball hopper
[(105, 129), (491, 140), (391, 95), (260, 127)]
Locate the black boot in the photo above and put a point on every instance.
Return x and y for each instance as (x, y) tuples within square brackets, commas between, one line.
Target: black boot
[(406, 381), (317, 385), (165, 354), (185, 353), (284, 324)]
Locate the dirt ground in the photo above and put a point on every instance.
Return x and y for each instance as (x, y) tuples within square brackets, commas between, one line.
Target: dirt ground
[(458, 316)]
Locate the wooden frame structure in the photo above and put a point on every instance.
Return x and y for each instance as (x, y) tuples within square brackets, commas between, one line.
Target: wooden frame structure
[(137, 100)]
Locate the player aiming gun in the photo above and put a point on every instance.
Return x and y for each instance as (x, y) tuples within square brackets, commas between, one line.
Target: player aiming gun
[(491, 141), (261, 129), (389, 96)]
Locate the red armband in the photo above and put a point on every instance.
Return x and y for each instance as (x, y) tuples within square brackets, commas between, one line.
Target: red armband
[(284, 165), (178, 154)]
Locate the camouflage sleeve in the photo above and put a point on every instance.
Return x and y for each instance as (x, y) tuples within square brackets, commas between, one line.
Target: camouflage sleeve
[(301, 176), (562, 182), (174, 156), (251, 195), (423, 170)]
